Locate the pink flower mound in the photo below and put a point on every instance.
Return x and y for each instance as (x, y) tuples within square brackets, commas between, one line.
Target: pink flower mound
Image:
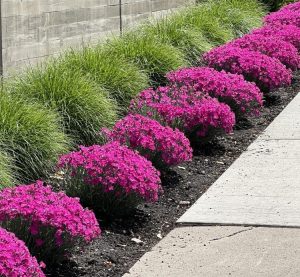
[(162, 145), (15, 259), (189, 111), (268, 73), (288, 33), (286, 17), (240, 95), (113, 168), (46, 216), (291, 7), (284, 51)]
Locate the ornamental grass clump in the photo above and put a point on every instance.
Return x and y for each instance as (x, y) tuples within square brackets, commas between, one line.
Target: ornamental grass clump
[(173, 30), (284, 51), (121, 79), (163, 146), (243, 97), (15, 259), (31, 136), (288, 33), (268, 73), (111, 179), (286, 17), (151, 56), (7, 171), (195, 114), (83, 106), (50, 223), (240, 16), (203, 21)]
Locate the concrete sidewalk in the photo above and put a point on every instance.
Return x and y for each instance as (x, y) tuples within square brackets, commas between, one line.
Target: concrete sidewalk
[(261, 188)]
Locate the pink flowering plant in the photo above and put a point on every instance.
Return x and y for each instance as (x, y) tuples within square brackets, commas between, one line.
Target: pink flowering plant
[(163, 146), (15, 259), (112, 179), (50, 223), (291, 7), (284, 51), (288, 33), (268, 73), (283, 17), (190, 111), (243, 97)]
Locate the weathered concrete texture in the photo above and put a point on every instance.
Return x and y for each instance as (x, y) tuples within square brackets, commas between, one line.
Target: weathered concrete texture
[(223, 251), (35, 29), (287, 124), (262, 187)]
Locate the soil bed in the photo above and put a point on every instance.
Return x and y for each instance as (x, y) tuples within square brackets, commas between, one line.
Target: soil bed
[(115, 252)]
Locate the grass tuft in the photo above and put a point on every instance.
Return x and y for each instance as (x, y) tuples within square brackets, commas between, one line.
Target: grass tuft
[(151, 56), (172, 30), (7, 176), (31, 136), (83, 106), (122, 80)]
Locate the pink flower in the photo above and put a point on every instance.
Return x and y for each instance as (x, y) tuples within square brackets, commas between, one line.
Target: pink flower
[(41, 213), (288, 33), (188, 110), (15, 259), (284, 51), (283, 17), (112, 167), (162, 145), (268, 73), (232, 89)]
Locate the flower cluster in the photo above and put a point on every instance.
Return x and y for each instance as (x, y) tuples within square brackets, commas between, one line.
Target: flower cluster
[(232, 89), (162, 145), (190, 111), (284, 51), (291, 7), (268, 73), (52, 221), (110, 171), (288, 33), (283, 17), (15, 259)]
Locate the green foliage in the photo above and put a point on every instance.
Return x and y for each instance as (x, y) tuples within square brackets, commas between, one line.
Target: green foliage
[(151, 56), (31, 135), (7, 177), (83, 106), (173, 30), (200, 19), (237, 15), (121, 79)]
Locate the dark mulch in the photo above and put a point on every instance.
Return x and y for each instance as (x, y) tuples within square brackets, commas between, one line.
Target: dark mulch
[(114, 253)]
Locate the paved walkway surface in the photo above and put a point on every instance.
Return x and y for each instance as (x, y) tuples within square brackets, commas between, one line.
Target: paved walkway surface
[(261, 188)]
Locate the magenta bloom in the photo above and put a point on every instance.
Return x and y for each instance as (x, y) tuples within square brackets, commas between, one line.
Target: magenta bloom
[(291, 7), (15, 259), (190, 111), (284, 51), (162, 145), (46, 216), (233, 89), (288, 33), (283, 17), (268, 73), (114, 173)]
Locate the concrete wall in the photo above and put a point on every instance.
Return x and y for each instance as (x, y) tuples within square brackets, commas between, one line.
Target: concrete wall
[(35, 29)]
